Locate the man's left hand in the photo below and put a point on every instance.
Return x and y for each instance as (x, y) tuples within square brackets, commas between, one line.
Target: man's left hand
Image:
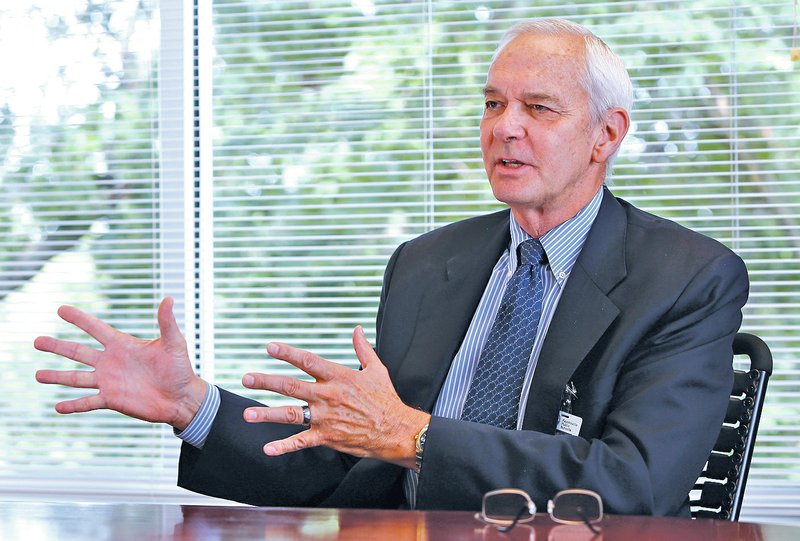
[(353, 411)]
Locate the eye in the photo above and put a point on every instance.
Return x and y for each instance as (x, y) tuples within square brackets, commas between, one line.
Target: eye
[(492, 105), (539, 108)]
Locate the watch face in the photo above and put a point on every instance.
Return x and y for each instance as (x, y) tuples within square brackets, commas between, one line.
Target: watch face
[(420, 440)]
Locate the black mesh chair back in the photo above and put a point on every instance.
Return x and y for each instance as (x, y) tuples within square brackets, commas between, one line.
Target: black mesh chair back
[(719, 491)]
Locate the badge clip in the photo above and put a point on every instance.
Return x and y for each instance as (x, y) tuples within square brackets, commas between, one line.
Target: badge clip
[(567, 422)]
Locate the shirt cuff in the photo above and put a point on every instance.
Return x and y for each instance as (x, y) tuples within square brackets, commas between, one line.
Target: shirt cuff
[(196, 433)]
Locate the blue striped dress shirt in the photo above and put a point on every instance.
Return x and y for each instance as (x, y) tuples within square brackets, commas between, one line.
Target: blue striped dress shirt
[(197, 431)]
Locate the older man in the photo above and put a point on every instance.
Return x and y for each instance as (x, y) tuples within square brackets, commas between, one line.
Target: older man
[(574, 341)]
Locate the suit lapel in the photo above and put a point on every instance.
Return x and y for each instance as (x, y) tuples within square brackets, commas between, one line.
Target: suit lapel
[(446, 309), (583, 314), (457, 284)]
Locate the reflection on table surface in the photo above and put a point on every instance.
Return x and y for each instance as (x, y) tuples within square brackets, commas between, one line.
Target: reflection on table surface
[(96, 522)]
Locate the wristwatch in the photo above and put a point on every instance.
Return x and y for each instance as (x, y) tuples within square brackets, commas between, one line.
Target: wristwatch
[(419, 446)]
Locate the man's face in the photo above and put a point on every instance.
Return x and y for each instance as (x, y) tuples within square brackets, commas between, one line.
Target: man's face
[(537, 134)]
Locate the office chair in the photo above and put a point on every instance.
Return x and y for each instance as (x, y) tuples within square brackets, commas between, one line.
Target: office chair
[(719, 491)]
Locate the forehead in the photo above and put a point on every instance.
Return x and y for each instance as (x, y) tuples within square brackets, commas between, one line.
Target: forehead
[(539, 62)]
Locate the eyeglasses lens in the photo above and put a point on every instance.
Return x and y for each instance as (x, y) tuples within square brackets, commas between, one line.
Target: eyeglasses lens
[(572, 507), (506, 507)]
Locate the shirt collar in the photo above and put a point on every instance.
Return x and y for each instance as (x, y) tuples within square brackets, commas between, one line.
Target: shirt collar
[(563, 243)]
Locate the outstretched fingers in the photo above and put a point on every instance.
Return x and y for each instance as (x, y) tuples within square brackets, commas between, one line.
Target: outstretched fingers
[(284, 415), (81, 405), (285, 385), (344, 404), (71, 350), (97, 329), (167, 325), (303, 440), (364, 351), (288, 415), (313, 365), (81, 379)]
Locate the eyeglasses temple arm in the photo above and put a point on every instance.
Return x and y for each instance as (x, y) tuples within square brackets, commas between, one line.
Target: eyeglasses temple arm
[(514, 523)]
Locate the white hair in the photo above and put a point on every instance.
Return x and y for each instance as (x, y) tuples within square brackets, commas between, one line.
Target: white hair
[(604, 77)]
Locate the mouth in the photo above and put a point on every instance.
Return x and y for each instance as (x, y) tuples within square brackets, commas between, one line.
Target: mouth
[(511, 163)]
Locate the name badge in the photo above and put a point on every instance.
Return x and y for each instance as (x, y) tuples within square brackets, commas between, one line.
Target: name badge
[(568, 423)]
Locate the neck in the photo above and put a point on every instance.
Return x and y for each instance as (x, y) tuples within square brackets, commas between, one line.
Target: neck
[(537, 221), (535, 224)]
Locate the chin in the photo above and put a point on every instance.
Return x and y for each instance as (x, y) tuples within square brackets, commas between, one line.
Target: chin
[(514, 193)]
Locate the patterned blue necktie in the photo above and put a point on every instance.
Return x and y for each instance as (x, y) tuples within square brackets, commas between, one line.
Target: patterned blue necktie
[(494, 395)]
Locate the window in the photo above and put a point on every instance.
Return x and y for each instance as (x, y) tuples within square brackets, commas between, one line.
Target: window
[(260, 161)]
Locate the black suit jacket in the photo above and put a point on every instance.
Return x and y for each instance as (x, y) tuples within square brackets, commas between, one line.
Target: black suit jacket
[(643, 329)]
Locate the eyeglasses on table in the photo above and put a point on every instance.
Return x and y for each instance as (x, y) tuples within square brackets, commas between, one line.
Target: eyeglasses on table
[(506, 507)]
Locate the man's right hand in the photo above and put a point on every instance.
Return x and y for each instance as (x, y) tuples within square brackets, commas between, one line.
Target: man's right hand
[(150, 380)]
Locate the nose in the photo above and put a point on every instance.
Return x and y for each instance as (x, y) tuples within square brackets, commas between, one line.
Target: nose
[(509, 126)]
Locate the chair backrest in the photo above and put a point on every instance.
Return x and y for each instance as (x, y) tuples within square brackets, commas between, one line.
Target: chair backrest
[(720, 489)]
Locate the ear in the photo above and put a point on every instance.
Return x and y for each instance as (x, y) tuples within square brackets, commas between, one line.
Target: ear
[(613, 127)]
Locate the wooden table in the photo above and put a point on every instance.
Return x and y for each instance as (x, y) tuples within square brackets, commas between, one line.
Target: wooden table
[(31, 521)]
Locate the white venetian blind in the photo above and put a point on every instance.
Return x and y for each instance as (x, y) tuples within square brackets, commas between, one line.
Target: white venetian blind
[(87, 219), (322, 165), (325, 133)]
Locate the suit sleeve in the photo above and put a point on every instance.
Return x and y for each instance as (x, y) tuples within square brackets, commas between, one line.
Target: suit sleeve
[(232, 464), (669, 397)]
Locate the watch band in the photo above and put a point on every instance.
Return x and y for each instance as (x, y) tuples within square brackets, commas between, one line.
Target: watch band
[(419, 447)]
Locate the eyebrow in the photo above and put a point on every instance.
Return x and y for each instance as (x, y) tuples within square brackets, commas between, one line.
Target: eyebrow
[(490, 90)]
